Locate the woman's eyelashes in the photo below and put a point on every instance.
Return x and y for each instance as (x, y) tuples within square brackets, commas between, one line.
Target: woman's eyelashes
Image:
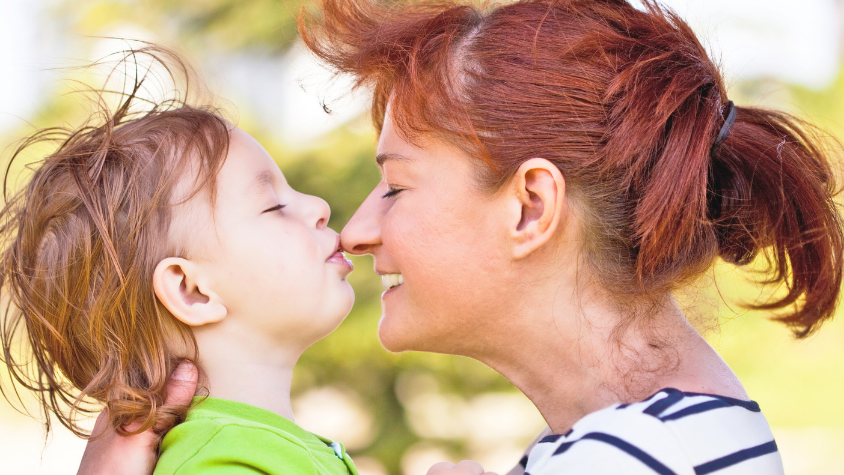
[(274, 208), (393, 191)]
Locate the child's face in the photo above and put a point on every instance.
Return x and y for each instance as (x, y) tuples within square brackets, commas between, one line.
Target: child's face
[(267, 253)]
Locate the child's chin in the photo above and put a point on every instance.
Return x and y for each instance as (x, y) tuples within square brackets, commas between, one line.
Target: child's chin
[(348, 299), (341, 310)]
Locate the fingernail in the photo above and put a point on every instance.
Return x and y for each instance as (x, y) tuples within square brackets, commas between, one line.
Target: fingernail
[(184, 372)]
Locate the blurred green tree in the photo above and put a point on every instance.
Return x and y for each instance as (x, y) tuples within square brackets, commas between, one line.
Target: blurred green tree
[(219, 25)]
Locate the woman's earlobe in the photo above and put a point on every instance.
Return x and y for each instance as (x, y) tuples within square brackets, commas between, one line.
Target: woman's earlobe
[(178, 285), (539, 189)]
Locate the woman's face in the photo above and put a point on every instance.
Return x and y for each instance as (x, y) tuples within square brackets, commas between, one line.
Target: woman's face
[(429, 226)]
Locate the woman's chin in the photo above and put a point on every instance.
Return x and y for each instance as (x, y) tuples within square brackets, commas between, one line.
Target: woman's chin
[(396, 336), (393, 337), (388, 339)]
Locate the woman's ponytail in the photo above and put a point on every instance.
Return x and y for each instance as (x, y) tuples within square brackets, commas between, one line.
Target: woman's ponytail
[(703, 179), (771, 191)]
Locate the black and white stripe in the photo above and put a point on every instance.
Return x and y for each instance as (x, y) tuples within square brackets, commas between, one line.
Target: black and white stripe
[(670, 433)]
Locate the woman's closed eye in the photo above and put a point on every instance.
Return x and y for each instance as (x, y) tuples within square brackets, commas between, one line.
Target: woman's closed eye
[(393, 191), (274, 208)]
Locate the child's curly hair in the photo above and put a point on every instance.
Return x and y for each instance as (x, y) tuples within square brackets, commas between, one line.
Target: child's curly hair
[(82, 326)]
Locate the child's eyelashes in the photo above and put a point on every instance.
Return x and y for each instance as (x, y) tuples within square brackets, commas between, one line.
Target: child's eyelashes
[(274, 208), (392, 192)]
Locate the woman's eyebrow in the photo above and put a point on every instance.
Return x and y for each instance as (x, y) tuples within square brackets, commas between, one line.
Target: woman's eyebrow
[(383, 157)]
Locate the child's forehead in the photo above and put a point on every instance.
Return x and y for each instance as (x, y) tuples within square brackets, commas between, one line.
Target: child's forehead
[(248, 171), (248, 168)]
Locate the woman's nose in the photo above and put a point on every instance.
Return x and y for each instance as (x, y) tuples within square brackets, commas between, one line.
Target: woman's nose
[(363, 232)]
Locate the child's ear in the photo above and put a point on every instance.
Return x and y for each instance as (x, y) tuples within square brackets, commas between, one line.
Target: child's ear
[(181, 288), (536, 194)]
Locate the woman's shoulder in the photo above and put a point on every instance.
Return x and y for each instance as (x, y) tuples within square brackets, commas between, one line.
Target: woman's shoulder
[(671, 432), (222, 437)]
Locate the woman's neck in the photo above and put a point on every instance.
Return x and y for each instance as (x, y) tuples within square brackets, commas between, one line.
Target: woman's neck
[(586, 364), (250, 370)]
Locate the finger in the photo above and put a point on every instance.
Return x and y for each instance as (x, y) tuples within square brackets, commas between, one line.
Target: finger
[(471, 467), (107, 453), (181, 387), (440, 467), (182, 384), (133, 426)]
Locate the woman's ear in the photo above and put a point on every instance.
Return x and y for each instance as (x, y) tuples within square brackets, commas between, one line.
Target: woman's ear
[(536, 193), (181, 288)]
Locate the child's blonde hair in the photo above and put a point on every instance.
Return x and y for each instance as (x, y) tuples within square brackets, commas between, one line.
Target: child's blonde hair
[(82, 240)]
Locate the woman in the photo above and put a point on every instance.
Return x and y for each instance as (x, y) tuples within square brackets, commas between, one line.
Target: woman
[(552, 172)]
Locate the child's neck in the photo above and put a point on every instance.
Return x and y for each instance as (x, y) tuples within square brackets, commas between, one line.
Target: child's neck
[(264, 386), (248, 371)]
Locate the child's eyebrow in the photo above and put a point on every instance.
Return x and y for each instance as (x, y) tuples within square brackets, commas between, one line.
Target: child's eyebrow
[(260, 182)]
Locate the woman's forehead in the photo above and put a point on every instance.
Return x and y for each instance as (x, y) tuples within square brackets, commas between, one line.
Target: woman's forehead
[(393, 144)]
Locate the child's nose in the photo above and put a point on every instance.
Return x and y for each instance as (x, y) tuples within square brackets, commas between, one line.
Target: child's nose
[(321, 212)]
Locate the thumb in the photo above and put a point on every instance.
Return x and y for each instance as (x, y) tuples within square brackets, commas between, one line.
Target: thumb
[(109, 453), (182, 384)]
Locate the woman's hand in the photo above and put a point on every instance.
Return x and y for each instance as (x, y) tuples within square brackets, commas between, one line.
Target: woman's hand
[(466, 467), (111, 454)]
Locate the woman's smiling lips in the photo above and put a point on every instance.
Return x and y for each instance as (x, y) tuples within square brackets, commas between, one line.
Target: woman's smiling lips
[(390, 280)]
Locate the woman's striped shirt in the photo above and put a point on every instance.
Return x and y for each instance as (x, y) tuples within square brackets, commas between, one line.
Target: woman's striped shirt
[(670, 433)]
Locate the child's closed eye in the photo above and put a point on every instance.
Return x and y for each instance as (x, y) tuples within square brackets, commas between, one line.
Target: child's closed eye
[(274, 208)]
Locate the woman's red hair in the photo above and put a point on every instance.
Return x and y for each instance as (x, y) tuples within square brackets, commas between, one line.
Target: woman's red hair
[(627, 103)]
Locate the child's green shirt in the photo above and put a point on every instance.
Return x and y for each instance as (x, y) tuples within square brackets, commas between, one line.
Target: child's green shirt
[(227, 437)]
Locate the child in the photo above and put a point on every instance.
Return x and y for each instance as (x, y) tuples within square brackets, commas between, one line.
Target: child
[(166, 235)]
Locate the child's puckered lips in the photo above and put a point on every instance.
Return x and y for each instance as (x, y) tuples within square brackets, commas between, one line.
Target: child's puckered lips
[(339, 258)]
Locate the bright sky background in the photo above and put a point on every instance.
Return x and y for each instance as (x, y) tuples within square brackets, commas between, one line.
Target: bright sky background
[(795, 41), (22, 52)]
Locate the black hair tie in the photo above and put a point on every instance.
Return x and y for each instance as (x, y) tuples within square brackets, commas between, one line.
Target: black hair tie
[(726, 128)]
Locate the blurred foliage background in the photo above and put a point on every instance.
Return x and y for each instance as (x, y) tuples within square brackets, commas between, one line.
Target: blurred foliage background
[(398, 413)]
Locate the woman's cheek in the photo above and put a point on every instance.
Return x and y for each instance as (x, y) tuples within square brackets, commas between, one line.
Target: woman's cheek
[(434, 267)]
